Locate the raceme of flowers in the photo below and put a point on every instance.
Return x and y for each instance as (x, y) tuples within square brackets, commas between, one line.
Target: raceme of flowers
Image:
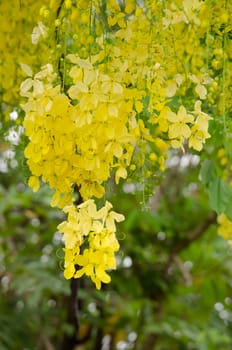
[(98, 226), (77, 144), (112, 99)]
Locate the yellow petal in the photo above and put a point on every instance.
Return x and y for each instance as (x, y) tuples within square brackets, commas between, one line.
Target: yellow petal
[(34, 183), (171, 117), (138, 106), (171, 90), (117, 88), (121, 172), (102, 275), (201, 91), (38, 87), (26, 86), (69, 271)]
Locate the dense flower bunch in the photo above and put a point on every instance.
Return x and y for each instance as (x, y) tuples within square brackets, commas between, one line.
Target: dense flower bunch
[(79, 142), (111, 101), (121, 85), (76, 145), (85, 221)]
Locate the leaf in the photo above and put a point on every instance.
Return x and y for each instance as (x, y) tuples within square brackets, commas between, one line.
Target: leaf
[(217, 195), (219, 192), (228, 209), (207, 172)]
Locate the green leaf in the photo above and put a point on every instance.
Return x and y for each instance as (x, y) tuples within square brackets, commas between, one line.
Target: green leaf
[(219, 192), (217, 195), (207, 173)]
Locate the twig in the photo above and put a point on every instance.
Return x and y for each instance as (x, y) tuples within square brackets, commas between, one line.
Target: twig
[(57, 17)]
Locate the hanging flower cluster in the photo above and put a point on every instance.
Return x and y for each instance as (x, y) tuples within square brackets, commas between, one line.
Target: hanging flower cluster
[(79, 141), (96, 229), (75, 145), (116, 96)]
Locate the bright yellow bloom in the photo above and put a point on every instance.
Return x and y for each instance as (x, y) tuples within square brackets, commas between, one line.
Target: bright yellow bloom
[(98, 227)]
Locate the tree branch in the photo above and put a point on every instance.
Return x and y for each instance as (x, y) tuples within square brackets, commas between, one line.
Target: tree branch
[(195, 233), (69, 342), (191, 236)]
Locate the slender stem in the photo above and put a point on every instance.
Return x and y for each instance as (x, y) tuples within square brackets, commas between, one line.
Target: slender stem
[(69, 342), (57, 16), (224, 79)]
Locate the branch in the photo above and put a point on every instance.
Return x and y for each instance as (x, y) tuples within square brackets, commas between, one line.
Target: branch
[(195, 233), (185, 272), (57, 17), (61, 58), (73, 305), (47, 344), (191, 236), (70, 341)]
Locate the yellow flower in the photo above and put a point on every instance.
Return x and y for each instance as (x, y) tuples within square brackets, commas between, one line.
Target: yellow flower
[(199, 131), (97, 227), (34, 183)]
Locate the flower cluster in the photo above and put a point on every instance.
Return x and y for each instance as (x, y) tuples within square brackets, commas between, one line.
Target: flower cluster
[(79, 141), (86, 225), (76, 145), (117, 100), (183, 125)]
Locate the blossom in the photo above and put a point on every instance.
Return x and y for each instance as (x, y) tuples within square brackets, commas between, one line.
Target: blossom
[(97, 227), (179, 129)]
